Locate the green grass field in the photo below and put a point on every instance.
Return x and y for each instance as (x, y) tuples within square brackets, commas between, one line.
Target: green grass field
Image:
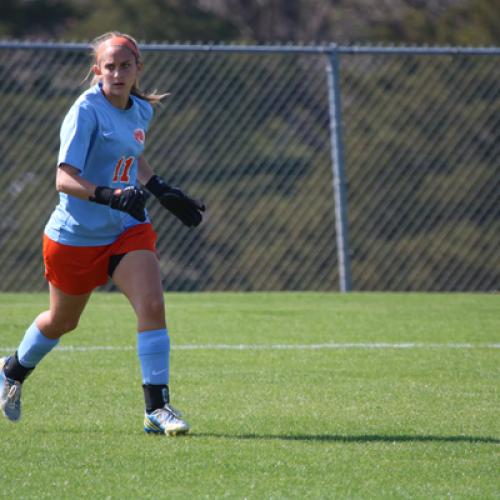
[(383, 396)]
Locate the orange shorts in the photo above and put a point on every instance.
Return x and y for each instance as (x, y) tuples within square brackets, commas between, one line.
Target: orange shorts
[(78, 270)]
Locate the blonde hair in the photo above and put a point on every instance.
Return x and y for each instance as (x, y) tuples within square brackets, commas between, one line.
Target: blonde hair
[(131, 44)]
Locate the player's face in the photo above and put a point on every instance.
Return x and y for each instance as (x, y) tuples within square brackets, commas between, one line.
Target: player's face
[(118, 70)]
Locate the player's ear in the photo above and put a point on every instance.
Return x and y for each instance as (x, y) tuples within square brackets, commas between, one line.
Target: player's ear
[(96, 70), (140, 65)]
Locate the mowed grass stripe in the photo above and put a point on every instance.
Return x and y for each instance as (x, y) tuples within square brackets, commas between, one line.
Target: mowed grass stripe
[(276, 347)]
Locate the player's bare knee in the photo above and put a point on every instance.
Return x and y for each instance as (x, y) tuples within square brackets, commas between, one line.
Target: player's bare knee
[(64, 325), (70, 325), (152, 308)]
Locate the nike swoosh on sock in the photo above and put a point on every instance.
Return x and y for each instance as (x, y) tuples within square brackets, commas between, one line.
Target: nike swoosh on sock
[(154, 372)]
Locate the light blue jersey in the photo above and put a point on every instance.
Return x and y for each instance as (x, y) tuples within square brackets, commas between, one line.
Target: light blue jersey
[(104, 143)]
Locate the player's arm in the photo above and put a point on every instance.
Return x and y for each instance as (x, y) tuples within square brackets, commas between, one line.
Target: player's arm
[(131, 199), (187, 209), (69, 181), (144, 171)]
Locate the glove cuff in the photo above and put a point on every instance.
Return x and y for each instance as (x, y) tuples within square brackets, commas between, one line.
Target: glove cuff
[(102, 195), (157, 186)]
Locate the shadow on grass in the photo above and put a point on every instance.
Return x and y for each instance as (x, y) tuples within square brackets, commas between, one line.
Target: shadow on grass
[(362, 438)]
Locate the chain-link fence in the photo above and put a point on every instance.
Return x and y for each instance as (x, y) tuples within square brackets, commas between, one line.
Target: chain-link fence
[(252, 131)]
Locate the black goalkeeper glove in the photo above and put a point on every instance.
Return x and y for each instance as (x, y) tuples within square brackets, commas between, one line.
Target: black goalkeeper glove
[(130, 199), (187, 209)]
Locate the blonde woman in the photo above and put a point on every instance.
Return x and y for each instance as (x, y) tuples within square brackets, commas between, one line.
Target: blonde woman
[(101, 229)]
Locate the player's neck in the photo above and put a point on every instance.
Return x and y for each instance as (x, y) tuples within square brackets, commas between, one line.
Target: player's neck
[(120, 102)]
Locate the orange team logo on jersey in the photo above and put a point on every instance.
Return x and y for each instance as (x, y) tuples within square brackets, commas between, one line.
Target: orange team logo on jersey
[(139, 135)]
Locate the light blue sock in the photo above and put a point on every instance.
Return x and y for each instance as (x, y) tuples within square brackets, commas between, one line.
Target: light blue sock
[(153, 348), (34, 346)]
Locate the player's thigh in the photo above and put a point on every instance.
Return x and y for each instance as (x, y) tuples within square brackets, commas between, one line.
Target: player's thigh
[(138, 277), (64, 305), (63, 314)]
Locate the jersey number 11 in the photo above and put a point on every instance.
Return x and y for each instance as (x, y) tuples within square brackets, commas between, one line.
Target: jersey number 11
[(122, 169)]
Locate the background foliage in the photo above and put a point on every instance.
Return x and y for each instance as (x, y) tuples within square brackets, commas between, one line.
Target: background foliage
[(420, 114), (457, 22)]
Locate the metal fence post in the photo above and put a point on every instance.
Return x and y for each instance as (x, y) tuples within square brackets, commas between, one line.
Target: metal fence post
[(339, 181)]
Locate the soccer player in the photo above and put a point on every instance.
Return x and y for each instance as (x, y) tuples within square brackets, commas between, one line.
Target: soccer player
[(101, 228)]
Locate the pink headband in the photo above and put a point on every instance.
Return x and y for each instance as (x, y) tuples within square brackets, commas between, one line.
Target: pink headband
[(123, 42)]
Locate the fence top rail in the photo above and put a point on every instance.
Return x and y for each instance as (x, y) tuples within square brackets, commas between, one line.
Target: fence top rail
[(270, 49)]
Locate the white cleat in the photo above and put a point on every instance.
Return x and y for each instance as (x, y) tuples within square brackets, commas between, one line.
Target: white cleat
[(10, 395), (166, 420)]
